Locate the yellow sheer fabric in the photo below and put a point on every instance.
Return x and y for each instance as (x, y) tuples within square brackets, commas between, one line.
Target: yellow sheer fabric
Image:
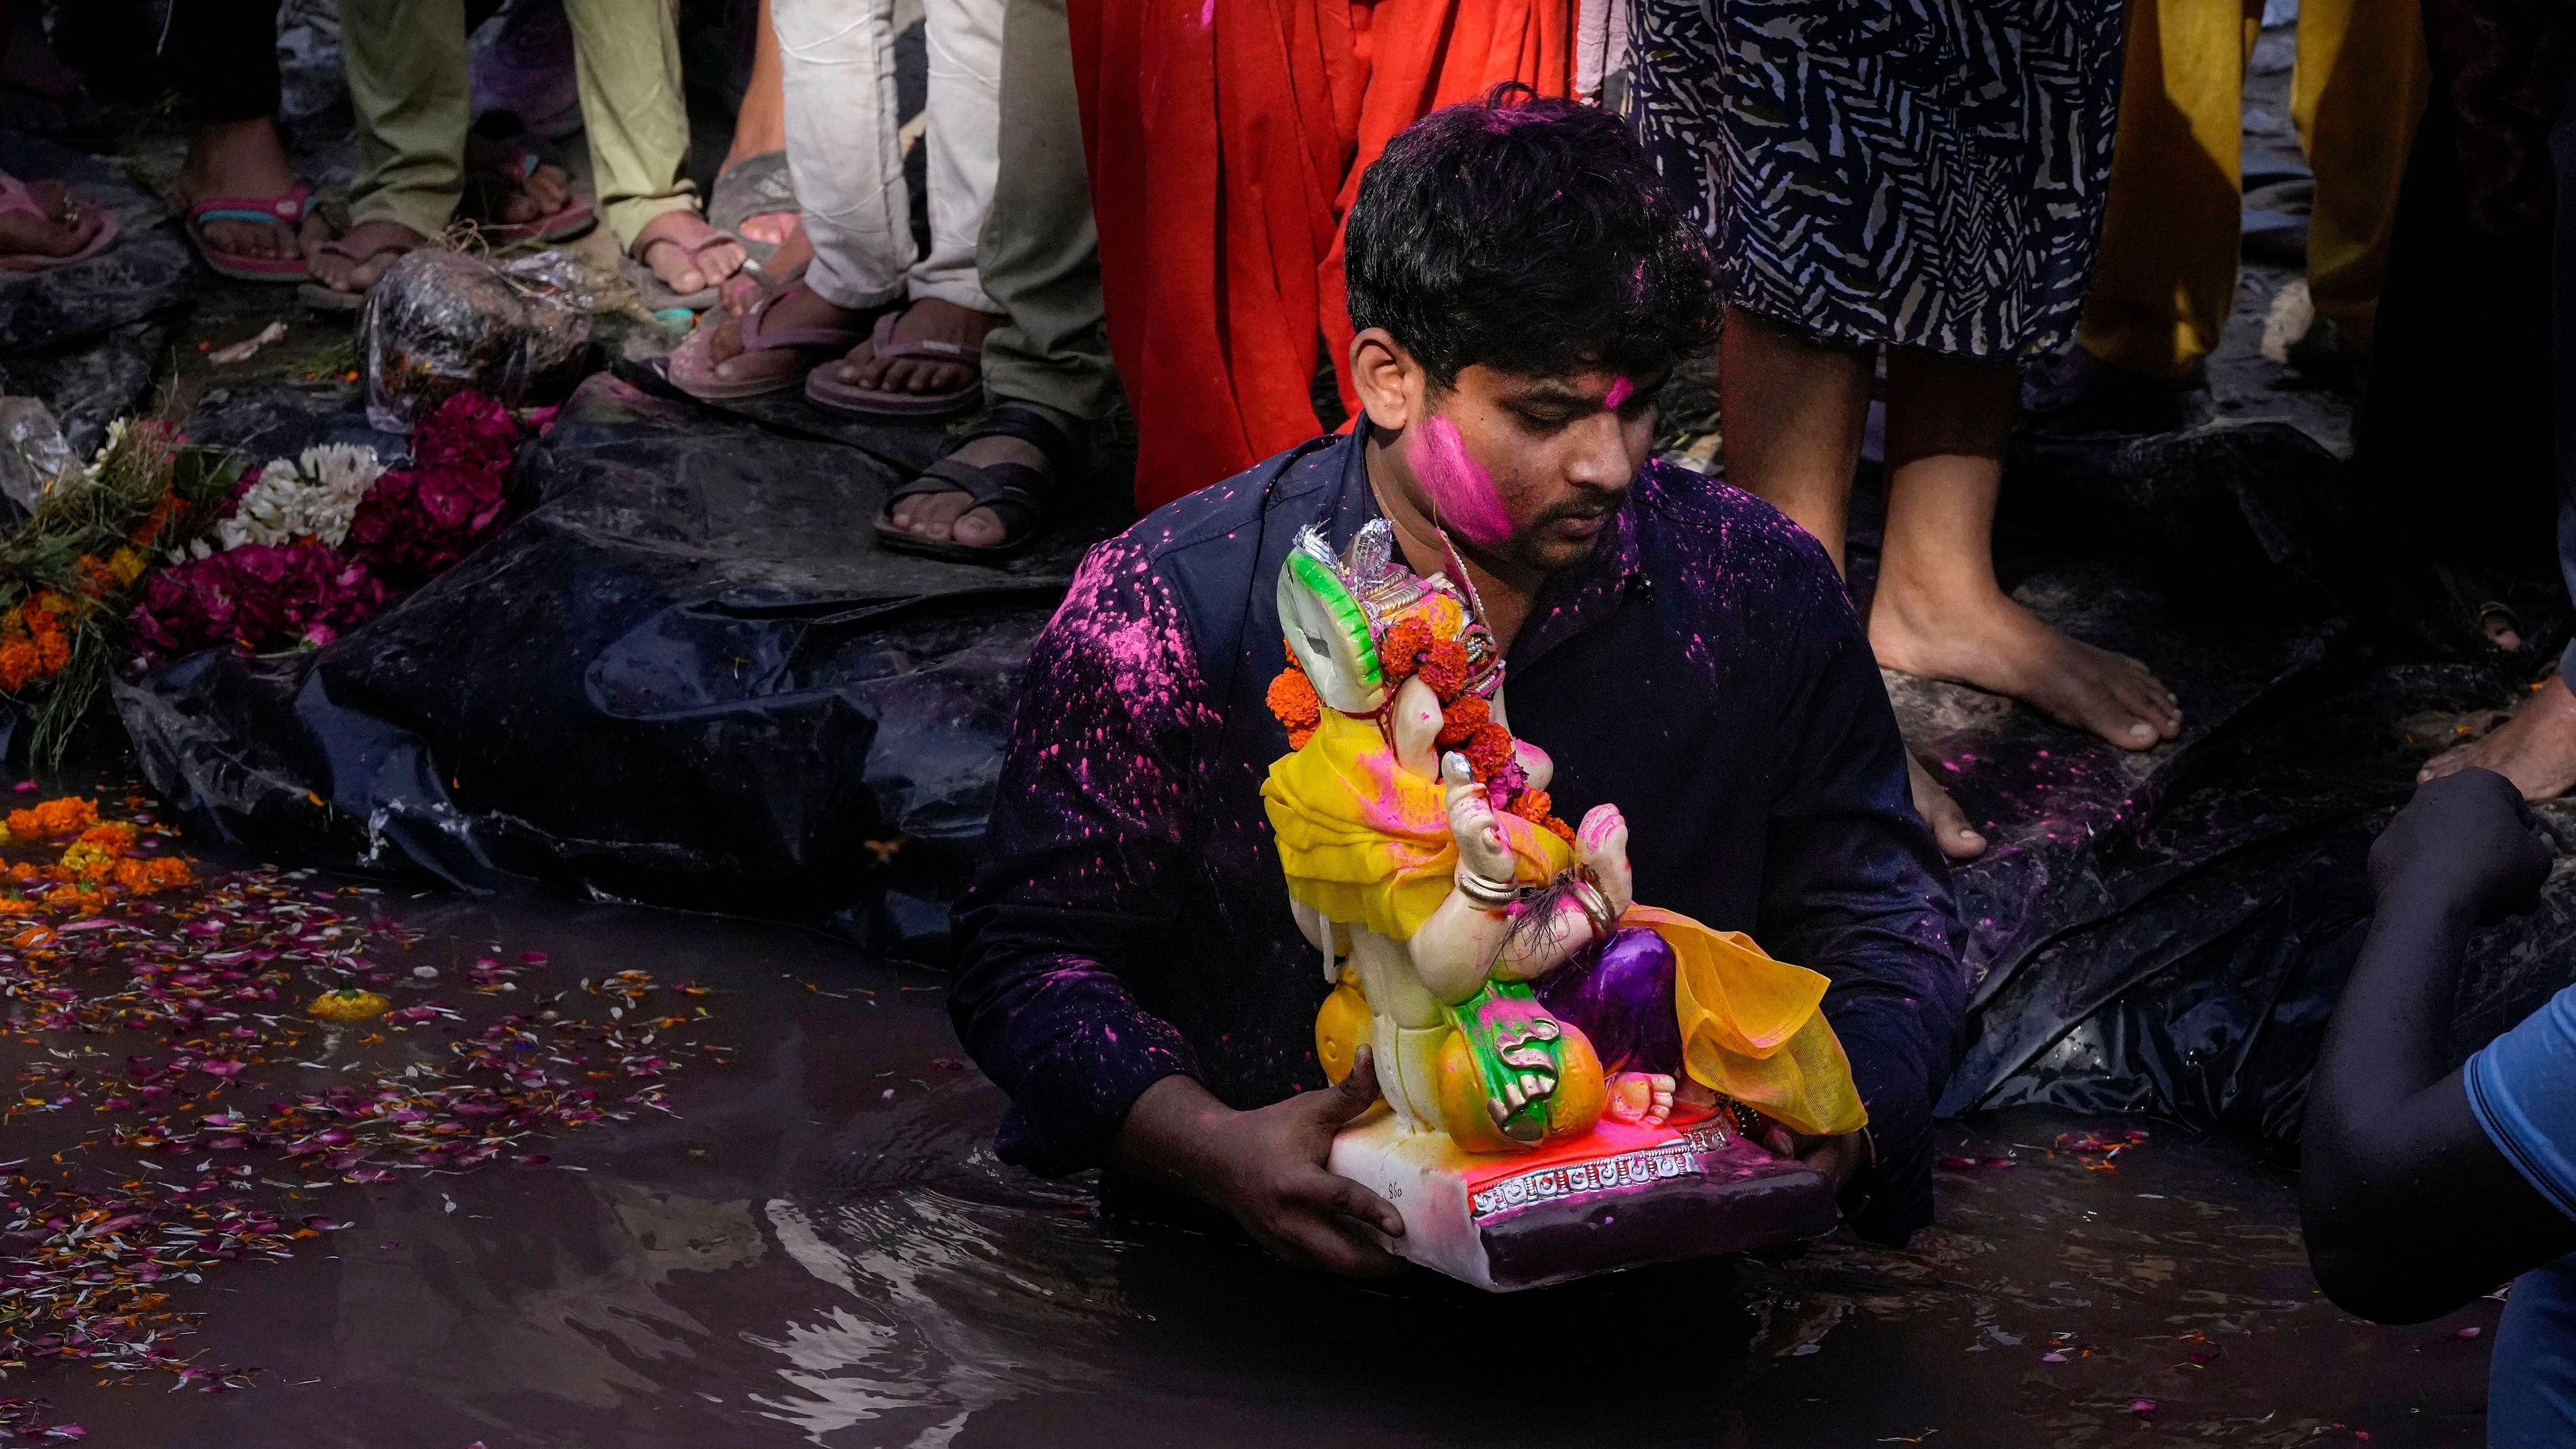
[(1750, 1027), (1367, 843)]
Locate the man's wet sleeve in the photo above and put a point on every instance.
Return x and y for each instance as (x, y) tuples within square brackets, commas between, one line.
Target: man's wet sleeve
[(1075, 886), (1855, 888)]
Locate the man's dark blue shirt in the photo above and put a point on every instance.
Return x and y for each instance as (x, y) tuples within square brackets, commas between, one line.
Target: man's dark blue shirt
[(1703, 670)]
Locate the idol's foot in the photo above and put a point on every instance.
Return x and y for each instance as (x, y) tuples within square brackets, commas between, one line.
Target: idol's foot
[(2536, 749), (1640, 1099), (1981, 637), (1950, 828)]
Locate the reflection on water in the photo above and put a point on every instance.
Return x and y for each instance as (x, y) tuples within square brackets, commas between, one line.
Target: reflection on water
[(819, 1248)]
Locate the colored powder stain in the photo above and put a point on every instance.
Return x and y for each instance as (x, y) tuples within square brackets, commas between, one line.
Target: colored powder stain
[(1460, 488), (1618, 395)]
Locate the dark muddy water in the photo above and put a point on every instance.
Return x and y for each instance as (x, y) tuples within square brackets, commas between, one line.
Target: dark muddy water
[(819, 1248)]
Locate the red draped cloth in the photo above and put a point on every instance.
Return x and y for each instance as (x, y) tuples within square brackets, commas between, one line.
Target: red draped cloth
[(1226, 140)]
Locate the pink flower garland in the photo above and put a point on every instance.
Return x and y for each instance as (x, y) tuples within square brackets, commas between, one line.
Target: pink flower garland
[(411, 526)]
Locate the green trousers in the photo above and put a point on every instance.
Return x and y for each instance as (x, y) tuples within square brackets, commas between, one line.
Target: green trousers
[(405, 61)]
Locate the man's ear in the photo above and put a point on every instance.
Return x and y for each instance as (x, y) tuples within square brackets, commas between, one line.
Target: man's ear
[(1390, 383)]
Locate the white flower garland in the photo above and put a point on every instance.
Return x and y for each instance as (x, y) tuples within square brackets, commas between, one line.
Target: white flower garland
[(314, 496)]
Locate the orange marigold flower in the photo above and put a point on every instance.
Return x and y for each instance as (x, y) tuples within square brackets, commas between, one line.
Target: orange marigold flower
[(1297, 738), (1292, 699), (53, 651), (1460, 719), (74, 896), (1558, 828), (54, 819), (168, 508), (113, 836), (17, 906), (1444, 668), (1445, 618), (1531, 805), (144, 877), (19, 664), (1397, 651), (1488, 750)]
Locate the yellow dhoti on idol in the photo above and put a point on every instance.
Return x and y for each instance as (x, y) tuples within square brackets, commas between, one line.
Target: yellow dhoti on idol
[(1366, 843)]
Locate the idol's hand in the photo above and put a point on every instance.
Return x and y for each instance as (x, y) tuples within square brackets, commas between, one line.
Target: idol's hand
[(1601, 844), (1481, 847), (1265, 1168)]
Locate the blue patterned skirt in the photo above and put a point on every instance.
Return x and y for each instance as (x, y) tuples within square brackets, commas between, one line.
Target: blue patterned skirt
[(1925, 173)]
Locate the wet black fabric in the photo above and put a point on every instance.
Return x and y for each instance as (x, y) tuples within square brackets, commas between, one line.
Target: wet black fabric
[(683, 674)]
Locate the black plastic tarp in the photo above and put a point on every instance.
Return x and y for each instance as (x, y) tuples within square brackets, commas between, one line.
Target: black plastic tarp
[(683, 674)]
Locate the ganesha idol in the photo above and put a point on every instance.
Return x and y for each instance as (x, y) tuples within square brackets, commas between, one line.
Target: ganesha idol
[(1572, 1081)]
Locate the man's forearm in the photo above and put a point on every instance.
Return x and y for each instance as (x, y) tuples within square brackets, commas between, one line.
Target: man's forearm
[(2392, 1044)]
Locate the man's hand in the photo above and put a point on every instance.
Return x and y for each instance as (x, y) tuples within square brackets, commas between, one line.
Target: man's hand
[(1265, 1167), (2464, 839), (1836, 1157)]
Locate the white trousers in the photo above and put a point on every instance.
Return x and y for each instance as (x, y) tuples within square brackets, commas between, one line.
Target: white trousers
[(846, 159)]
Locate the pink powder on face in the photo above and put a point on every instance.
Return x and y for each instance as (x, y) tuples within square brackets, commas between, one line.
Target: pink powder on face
[(1459, 485), (1618, 395)]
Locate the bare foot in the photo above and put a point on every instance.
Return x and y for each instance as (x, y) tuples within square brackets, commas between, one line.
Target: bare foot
[(799, 308), (664, 245), (945, 515), (743, 291), (1986, 640), (68, 224), (513, 199), (244, 159), (357, 260), (2536, 749), (776, 228), (928, 320), (1950, 828), (1640, 1099)]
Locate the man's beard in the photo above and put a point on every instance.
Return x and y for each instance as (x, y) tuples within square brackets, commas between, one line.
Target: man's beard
[(1531, 550)]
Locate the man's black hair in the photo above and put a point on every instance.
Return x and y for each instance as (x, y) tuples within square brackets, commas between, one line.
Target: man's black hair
[(1528, 235)]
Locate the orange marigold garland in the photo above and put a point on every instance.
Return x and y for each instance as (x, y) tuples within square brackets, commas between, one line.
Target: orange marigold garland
[(1292, 699), (1428, 641)]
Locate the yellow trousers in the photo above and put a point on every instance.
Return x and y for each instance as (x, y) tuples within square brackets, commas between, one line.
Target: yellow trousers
[(2167, 274)]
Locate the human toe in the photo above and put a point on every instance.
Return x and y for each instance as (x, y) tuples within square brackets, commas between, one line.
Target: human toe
[(978, 528)]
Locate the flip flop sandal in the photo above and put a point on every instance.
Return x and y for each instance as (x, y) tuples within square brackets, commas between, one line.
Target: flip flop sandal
[(825, 391), (1015, 492), (753, 186), (331, 299), (657, 294), (15, 197), (513, 166), (286, 211), (778, 356)]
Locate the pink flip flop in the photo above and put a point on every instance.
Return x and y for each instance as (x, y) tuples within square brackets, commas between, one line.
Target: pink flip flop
[(778, 357), (14, 196), (573, 219), (868, 402), (287, 211)]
